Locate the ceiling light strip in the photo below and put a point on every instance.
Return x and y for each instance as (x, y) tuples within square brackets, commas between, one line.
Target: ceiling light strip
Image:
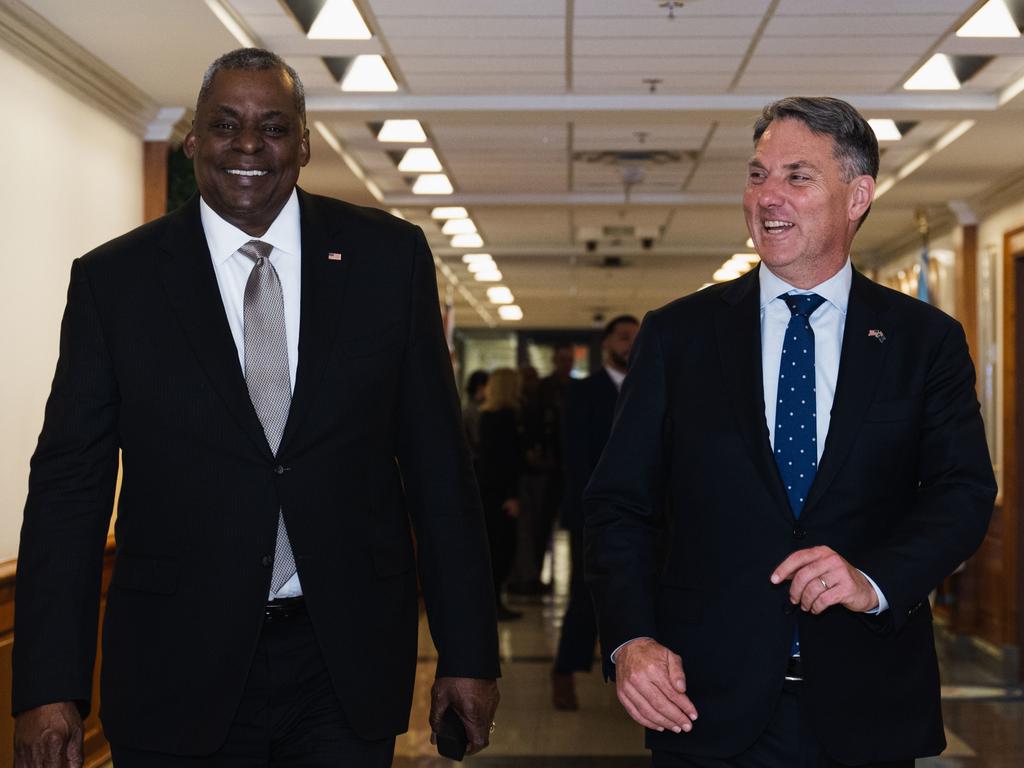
[(232, 24), (940, 144), (350, 161), (450, 276)]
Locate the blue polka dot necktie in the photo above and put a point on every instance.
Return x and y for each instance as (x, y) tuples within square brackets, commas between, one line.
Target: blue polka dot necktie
[(796, 429), (796, 420)]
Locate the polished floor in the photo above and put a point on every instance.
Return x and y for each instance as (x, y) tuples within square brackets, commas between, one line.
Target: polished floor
[(984, 714)]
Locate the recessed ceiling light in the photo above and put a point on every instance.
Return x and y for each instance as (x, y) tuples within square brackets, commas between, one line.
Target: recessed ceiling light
[(368, 73), (993, 19), (488, 276), (510, 312), (420, 160), (725, 273), (936, 74), (467, 241), (885, 129), (484, 265), (500, 294), (432, 184), (469, 258), (449, 212), (339, 20), (402, 132), (458, 227)]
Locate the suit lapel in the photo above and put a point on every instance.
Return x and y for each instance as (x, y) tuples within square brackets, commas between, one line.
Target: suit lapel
[(738, 330), (323, 283), (860, 365), (186, 271)]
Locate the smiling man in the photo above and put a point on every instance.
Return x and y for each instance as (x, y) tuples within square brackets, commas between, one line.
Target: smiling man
[(797, 460), (271, 367)]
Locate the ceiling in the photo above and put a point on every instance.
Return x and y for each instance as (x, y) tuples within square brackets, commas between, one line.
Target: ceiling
[(538, 110)]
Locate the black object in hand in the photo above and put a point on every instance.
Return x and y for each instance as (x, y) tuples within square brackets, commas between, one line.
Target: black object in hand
[(451, 738)]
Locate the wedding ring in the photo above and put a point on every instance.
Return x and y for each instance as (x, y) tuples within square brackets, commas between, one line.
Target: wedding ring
[(822, 580)]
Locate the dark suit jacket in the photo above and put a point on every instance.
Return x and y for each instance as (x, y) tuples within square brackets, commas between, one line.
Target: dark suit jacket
[(373, 441), (904, 492), (588, 410)]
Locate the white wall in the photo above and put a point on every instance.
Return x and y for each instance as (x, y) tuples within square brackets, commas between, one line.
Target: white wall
[(72, 178)]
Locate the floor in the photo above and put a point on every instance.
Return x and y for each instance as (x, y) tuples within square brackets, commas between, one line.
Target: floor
[(984, 715)]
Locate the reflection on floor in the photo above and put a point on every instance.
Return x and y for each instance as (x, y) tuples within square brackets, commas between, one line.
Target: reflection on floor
[(984, 715)]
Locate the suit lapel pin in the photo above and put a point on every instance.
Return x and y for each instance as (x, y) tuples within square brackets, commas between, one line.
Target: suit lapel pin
[(876, 334), (334, 256)]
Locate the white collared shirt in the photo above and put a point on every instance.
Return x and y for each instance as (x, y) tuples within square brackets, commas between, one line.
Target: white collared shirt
[(617, 377), (232, 270), (828, 323)]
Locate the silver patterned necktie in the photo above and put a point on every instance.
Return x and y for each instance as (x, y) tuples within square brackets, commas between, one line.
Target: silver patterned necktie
[(267, 373)]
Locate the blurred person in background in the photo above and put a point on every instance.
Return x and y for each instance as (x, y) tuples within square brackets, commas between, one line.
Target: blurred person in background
[(500, 466), (476, 390)]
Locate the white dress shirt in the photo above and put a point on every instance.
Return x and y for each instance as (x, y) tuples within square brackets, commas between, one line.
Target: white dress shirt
[(616, 376), (828, 323), (232, 270)]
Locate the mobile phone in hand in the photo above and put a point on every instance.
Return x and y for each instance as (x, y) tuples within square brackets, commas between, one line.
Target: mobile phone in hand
[(451, 737)]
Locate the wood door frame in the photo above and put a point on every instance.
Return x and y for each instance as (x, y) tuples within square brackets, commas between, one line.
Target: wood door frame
[(1013, 440)]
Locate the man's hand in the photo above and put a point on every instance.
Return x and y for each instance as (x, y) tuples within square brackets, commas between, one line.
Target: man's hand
[(50, 736), (821, 578), (650, 683), (475, 702)]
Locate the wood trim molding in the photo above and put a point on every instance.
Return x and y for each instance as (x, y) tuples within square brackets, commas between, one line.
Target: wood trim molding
[(43, 46), (97, 751)]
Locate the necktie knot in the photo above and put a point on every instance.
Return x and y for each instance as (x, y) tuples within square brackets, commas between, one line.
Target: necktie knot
[(802, 304), (256, 250)]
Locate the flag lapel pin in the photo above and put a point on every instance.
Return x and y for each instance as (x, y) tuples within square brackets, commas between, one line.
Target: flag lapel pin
[(333, 256), (876, 334)]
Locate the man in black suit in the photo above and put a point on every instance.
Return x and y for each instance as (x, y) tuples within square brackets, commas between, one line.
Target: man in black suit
[(587, 421), (271, 366), (791, 607)]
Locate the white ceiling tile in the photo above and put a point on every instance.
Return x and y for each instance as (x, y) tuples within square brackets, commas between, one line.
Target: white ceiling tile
[(872, 7), (486, 83), (585, 8), (483, 64), (671, 83), (383, 8), (842, 45), (257, 7), (893, 26), (269, 26), (477, 46), (461, 27), (709, 26), (807, 82), (645, 64), (787, 64), (660, 46)]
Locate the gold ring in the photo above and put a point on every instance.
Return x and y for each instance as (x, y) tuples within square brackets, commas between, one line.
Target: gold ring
[(822, 580)]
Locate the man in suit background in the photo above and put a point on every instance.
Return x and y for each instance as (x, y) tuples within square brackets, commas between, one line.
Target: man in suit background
[(587, 421), (791, 609), (261, 358)]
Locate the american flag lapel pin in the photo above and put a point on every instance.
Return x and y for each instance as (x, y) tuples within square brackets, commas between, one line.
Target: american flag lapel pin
[(874, 333), (332, 256)]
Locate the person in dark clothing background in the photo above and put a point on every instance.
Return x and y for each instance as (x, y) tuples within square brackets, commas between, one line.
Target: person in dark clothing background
[(589, 410), (500, 466), (476, 391)]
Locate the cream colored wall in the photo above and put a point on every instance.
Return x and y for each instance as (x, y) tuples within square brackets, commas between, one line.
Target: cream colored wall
[(72, 179)]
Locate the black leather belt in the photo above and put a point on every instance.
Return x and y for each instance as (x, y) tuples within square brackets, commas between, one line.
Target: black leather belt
[(794, 671), (284, 608)]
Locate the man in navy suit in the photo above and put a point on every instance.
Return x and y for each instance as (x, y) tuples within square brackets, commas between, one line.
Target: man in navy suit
[(271, 367), (807, 446), (587, 421)]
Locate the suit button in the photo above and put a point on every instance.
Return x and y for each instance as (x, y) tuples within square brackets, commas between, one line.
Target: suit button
[(280, 470), (267, 561), (799, 533)]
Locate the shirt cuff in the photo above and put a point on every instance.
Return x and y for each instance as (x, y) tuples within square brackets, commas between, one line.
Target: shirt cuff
[(642, 637), (883, 604)]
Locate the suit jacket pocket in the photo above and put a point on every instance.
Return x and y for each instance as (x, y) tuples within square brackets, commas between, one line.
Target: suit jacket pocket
[(143, 574), (891, 410), (371, 343), (392, 556)]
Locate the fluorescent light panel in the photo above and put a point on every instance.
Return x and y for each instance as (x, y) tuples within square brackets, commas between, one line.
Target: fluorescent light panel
[(488, 276), (510, 312), (993, 19), (500, 294), (458, 227), (936, 74), (885, 129), (339, 20), (420, 160), (467, 241), (469, 258), (481, 266), (433, 184), (368, 73), (449, 212), (402, 132)]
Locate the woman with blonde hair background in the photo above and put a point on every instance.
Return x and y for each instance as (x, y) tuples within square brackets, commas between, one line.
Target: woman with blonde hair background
[(500, 465)]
